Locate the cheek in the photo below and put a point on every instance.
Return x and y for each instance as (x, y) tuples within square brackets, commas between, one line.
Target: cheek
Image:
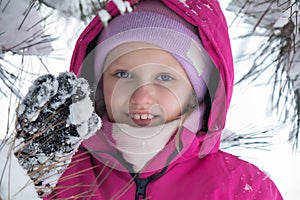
[(107, 93), (171, 101), (116, 99), (181, 94)]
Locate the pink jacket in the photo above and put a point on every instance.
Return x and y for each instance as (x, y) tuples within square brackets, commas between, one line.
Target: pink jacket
[(199, 170)]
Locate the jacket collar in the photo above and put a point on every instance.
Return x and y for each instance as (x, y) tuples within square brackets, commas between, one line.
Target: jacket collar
[(185, 144)]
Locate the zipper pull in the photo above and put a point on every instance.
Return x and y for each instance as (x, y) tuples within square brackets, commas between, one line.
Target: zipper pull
[(141, 185)]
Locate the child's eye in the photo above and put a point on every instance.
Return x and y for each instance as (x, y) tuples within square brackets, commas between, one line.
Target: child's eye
[(164, 77), (123, 75)]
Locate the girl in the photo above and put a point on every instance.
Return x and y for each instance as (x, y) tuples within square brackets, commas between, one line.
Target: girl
[(163, 78)]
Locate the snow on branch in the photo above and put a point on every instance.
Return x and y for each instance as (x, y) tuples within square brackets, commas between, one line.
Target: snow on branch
[(277, 24), (23, 35), (87, 9), (22, 31)]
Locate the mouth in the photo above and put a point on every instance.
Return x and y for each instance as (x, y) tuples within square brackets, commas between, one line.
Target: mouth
[(145, 116), (142, 119)]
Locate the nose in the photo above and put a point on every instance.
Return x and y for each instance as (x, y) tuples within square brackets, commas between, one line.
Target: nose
[(144, 95)]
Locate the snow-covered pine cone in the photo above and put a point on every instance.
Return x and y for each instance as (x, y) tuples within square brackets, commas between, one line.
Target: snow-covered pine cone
[(52, 120)]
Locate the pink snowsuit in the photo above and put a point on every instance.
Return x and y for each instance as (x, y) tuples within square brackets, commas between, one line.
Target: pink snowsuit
[(197, 169)]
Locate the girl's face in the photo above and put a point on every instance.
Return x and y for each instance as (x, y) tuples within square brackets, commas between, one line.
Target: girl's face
[(146, 87)]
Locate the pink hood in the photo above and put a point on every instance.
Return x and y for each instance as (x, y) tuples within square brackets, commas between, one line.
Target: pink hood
[(213, 31)]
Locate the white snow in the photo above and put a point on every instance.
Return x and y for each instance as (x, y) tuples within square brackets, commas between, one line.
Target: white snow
[(95, 124), (15, 183), (128, 6), (47, 163), (248, 188), (38, 94), (120, 5), (80, 9), (24, 37), (83, 129), (81, 111), (104, 17), (123, 6), (184, 3)]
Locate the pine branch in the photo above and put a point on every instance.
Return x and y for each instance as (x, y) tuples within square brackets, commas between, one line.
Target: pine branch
[(277, 22)]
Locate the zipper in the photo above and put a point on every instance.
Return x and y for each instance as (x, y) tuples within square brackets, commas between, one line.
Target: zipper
[(141, 186), (142, 183)]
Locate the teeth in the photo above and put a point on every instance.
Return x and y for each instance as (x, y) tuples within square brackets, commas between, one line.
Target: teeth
[(150, 116), (144, 116), (141, 116), (137, 116)]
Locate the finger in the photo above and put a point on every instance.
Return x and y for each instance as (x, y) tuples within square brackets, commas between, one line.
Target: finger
[(82, 90), (42, 90), (66, 88), (94, 123)]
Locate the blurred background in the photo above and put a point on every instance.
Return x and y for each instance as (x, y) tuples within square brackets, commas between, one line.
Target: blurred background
[(38, 36)]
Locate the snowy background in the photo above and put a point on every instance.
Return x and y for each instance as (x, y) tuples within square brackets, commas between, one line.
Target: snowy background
[(248, 112)]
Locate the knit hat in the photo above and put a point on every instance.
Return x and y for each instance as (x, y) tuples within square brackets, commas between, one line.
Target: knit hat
[(153, 23)]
